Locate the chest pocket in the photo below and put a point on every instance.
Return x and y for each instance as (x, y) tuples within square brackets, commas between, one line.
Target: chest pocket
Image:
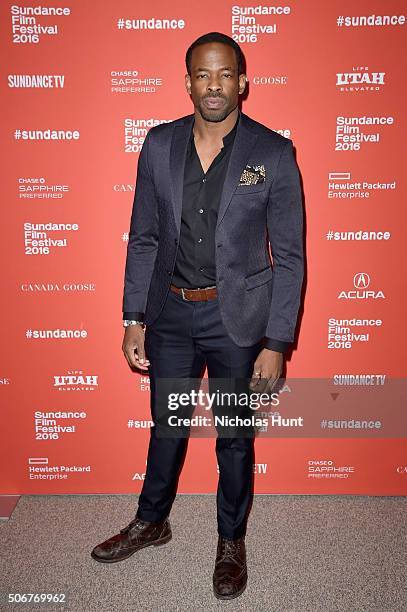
[(247, 189)]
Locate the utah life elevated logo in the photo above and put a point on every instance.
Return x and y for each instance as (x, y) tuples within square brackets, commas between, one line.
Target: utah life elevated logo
[(76, 380), (361, 291), (360, 80)]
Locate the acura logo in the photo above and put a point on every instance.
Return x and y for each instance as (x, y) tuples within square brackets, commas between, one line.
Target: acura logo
[(361, 280)]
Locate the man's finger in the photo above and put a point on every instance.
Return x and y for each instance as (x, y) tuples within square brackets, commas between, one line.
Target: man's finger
[(256, 375), (254, 380), (133, 360), (141, 355), (142, 366), (260, 384), (140, 352)]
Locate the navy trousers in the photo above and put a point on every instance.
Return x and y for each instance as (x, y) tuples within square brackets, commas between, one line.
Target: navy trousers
[(186, 337)]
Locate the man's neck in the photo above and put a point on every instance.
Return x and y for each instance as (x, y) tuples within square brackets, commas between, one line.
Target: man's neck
[(211, 131)]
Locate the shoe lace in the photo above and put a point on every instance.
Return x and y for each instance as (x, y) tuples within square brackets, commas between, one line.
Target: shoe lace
[(229, 548)]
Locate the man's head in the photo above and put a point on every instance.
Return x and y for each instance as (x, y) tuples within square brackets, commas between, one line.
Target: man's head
[(215, 76)]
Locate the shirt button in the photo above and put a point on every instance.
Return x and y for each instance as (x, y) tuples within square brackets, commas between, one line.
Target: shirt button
[(200, 210), (201, 269), (204, 180), (199, 239)]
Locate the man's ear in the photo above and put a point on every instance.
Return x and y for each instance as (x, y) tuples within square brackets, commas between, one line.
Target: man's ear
[(242, 83), (188, 83)]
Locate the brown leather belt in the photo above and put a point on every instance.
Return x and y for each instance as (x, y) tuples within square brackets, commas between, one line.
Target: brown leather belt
[(196, 295)]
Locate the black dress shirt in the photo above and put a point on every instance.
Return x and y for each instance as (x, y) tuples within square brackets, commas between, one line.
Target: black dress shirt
[(195, 262)]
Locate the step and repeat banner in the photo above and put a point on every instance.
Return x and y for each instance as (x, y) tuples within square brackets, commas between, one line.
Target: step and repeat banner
[(82, 84)]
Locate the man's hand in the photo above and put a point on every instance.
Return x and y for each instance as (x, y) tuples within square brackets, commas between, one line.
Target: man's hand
[(133, 347), (266, 371)]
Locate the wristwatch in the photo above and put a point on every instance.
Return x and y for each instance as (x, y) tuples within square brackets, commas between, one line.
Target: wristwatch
[(128, 322)]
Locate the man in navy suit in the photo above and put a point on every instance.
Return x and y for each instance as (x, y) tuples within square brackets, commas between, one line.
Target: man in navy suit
[(214, 189)]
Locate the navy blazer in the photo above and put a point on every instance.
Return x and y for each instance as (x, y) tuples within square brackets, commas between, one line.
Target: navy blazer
[(258, 296)]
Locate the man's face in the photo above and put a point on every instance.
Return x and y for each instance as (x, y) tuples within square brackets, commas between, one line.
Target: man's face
[(214, 84)]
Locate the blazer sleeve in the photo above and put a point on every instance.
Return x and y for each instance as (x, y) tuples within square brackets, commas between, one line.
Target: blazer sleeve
[(143, 236), (285, 230)]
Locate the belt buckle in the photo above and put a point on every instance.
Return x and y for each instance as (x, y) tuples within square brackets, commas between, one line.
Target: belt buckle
[(183, 295)]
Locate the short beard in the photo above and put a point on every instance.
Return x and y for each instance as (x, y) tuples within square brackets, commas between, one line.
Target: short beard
[(213, 116)]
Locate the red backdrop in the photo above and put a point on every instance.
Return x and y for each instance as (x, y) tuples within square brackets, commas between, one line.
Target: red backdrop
[(80, 86)]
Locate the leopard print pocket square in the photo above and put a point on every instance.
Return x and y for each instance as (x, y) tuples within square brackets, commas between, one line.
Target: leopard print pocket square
[(252, 175)]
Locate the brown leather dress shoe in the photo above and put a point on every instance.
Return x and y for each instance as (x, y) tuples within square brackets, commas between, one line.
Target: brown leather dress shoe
[(138, 534), (230, 575)]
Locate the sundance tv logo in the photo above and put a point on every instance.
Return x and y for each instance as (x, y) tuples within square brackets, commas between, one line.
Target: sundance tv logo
[(36, 81), (258, 468), (359, 380)]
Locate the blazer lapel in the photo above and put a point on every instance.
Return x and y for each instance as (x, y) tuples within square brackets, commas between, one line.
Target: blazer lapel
[(179, 146), (242, 146)]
